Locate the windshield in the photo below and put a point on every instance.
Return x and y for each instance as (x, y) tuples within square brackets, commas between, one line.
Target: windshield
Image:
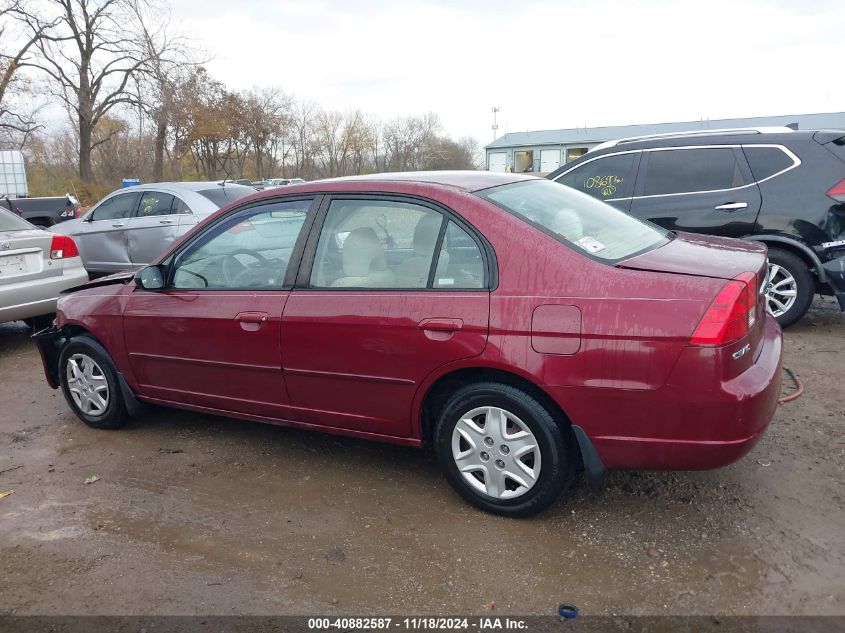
[(221, 196), (590, 226), (10, 222)]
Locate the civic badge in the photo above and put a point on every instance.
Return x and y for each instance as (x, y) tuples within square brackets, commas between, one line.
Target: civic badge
[(742, 352), (5, 245)]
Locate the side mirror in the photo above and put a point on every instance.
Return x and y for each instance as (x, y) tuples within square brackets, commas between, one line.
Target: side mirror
[(150, 278)]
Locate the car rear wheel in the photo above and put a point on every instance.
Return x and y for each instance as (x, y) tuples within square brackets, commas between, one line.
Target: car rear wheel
[(90, 384), (789, 287), (503, 451)]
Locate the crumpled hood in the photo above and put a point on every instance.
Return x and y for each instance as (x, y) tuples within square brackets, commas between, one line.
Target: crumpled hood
[(702, 256), (115, 279)]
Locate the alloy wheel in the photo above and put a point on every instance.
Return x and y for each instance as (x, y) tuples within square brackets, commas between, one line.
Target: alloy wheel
[(87, 384), (496, 452), (781, 290)]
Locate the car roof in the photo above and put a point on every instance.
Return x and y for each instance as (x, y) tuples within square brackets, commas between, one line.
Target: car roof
[(182, 186), (464, 180), (722, 137)]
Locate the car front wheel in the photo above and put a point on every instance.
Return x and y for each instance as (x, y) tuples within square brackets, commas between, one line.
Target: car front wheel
[(789, 287), (90, 384), (503, 451)]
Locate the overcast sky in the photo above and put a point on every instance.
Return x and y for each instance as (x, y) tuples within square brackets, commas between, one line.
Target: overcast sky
[(545, 64)]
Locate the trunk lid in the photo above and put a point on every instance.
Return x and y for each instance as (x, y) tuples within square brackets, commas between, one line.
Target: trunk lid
[(702, 256), (25, 255)]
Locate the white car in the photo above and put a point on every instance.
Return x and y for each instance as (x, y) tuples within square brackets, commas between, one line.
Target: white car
[(35, 266)]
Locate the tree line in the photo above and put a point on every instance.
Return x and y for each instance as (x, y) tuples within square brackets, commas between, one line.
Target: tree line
[(139, 102)]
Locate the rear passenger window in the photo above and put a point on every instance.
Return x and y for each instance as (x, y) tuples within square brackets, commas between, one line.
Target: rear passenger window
[(376, 244), (155, 203), (766, 161), (604, 178), (691, 170), (460, 265)]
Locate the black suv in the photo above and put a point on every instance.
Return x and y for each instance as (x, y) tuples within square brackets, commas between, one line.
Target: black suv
[(781, 187)]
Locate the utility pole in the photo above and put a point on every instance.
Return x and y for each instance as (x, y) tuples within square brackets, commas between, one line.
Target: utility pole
[(495, 125)]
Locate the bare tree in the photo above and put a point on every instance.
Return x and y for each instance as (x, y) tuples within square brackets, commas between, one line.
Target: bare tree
[(267, 114), (91, 57), (21, 29)]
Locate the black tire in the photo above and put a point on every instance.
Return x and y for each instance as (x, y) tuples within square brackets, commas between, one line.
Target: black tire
[(559, 457), (805, 285), (114, 415)]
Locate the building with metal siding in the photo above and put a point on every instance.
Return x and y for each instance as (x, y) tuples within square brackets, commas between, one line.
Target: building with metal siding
[(544, 151)]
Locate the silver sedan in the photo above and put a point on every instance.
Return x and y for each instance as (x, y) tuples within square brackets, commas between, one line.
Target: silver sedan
[(35, 266), (131, 227)]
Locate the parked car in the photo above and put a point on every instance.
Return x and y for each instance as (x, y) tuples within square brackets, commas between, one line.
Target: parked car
[(131, 227), (282, 182), (519, 327), (777, 186), (35, 266), (45, 211)]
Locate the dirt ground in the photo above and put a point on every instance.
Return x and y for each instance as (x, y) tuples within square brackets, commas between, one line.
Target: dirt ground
[(195, 514)]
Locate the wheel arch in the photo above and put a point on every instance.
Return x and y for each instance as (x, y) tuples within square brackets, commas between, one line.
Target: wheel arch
[(437, 393), (795, 247)]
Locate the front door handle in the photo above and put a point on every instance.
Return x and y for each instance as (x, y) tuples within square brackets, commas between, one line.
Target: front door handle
[(732, 206), (167, 221), (251, 321), (441, 325), (117, 225)]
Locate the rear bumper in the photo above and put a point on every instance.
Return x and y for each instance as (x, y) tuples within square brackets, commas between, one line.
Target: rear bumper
[(835, 271), (687, 424), (37, 297)]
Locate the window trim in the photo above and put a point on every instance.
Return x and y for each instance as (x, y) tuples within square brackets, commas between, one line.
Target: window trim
[(490, 264), (295, 256), (796, 162)]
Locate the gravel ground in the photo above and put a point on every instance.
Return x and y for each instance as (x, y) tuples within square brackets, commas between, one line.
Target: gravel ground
[(194, 514)]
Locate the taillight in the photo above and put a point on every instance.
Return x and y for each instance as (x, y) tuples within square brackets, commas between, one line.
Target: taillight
[(837, 191), (63, 247), (731, 315)]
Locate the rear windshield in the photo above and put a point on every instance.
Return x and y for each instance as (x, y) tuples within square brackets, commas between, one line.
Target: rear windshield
[(11, 222), (221, 196), (590, 226)]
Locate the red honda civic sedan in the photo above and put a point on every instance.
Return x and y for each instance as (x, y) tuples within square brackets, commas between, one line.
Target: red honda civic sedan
[(521, 328)]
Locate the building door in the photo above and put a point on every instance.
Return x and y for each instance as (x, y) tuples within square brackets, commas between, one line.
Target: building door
[(497, 161), (549, 160)]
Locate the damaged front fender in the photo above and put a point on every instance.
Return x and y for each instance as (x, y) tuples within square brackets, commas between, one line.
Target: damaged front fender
[(50, 342)]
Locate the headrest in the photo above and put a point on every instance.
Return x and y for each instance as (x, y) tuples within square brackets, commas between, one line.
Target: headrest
[(425, 235), (362, 253)]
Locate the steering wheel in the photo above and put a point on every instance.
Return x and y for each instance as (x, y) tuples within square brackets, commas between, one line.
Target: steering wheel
[(233, 269)]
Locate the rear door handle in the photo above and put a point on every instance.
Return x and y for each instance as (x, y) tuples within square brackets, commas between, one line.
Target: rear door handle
[(441, 325), (167, 221), (732, 206), (251, 321), (117, 225)]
